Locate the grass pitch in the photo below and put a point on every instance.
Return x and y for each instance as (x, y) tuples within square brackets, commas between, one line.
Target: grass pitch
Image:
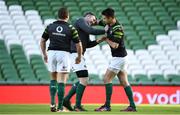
[(38, 109)]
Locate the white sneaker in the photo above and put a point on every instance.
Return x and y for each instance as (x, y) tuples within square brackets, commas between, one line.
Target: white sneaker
[(62, 110)]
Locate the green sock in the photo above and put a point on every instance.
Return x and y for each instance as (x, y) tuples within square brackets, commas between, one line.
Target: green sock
[(79, 93), (61, 87), (108, 94), (53, 89), (72, 91), (129, 94)]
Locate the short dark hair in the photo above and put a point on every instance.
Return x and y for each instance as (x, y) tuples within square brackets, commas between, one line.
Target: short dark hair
[(63, 13), (109, 12), (89, 13)]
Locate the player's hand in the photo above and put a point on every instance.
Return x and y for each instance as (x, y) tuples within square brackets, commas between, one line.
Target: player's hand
[(101, 39), (45, 58), (97, 22), (78, 60), (106, 28)]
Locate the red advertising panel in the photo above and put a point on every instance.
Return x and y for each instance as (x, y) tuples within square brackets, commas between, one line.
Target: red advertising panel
[(93, 94)]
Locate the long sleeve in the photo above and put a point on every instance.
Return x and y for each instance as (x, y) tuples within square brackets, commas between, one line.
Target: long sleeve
[(88, 29)]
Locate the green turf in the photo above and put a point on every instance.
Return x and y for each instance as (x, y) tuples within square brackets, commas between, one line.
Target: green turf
[(44, 109)]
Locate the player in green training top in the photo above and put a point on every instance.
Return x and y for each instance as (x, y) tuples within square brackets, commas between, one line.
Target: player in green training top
[(60, 33), (117, 66)]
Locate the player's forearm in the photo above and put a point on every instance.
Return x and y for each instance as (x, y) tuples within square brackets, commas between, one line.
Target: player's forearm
[(95, 42), (91, 30), (79, 49), (43, 46), (112, 44)]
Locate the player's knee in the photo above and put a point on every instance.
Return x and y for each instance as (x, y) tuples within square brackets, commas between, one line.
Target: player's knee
[(125, 83), (120, 82), (84, 81), (106, 80), (53, 75), (61, 81)]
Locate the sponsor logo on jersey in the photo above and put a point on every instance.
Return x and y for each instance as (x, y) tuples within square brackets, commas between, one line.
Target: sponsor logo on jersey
[(59, 29)]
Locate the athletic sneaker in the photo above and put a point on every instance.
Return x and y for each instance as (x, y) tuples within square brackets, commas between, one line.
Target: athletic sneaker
[(63, 110), (129, 109), (103, 108), (67, 104), (81, 108), (53, 108)]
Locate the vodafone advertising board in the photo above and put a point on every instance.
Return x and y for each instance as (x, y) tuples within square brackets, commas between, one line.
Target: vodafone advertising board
[(155, 98), (92, 95)]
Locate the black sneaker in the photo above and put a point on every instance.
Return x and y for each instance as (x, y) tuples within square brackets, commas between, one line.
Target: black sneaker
[(129, 109), (67, 104), (53, 108), (79, 108), (103, 108)]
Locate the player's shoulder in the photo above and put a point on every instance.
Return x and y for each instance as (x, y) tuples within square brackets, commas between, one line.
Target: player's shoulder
[(54, 22), (51, 24), (71, 26)]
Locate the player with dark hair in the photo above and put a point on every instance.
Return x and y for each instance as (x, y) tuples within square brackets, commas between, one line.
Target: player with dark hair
[(60, 33), (117, 66), (83, 26)]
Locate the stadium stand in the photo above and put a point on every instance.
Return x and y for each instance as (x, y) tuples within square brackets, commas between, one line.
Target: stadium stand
[(152, 29)]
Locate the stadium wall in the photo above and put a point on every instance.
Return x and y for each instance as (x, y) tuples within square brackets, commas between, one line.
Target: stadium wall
[(93, 94)]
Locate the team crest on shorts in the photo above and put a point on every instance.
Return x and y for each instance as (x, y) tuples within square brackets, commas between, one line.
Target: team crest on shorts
[(64, 68)]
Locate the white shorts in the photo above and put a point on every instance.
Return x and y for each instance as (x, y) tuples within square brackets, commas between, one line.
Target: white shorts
[(58, 61), (118, 64), (77, 67)]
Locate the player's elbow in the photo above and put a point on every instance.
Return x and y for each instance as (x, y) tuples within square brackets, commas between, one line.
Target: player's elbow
[(43, 40), (79, 44)]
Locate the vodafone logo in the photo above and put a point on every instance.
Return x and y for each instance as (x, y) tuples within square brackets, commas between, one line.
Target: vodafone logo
[(59, 29), (138, 97), (161, 98)]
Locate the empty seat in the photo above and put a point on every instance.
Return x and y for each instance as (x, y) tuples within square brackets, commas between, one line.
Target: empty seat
[(39, 67), (159, 79), (175, 80), (143, 79)]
